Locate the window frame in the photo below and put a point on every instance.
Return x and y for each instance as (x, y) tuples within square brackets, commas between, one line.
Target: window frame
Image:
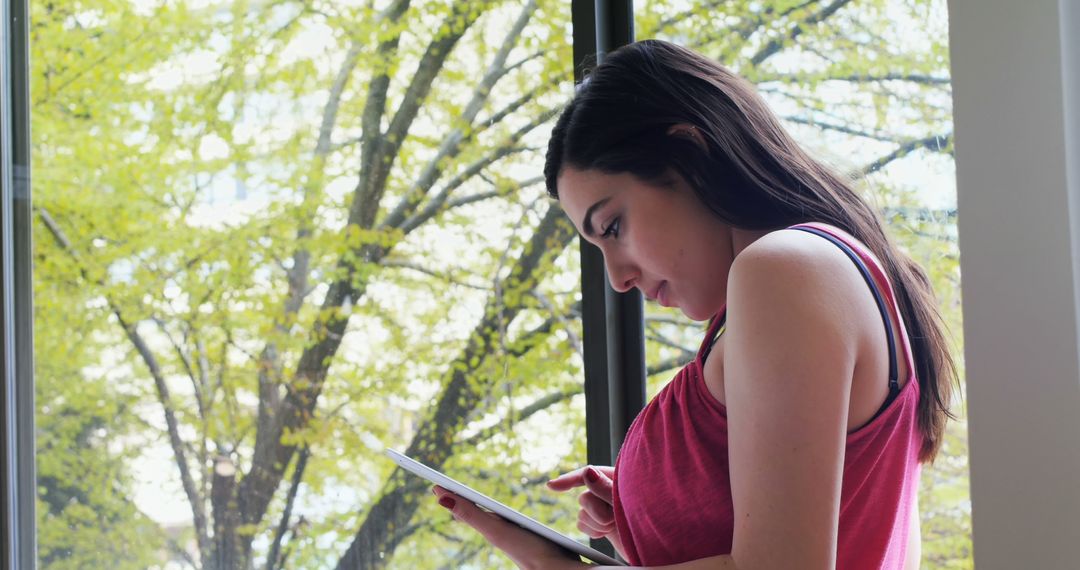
[(613, 323), (1016, 115), (996, 259), (17, 477)]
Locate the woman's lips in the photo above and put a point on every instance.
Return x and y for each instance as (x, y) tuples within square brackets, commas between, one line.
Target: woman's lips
[(661, 294)]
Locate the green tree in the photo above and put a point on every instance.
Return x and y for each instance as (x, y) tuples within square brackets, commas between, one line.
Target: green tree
[(275, 235)]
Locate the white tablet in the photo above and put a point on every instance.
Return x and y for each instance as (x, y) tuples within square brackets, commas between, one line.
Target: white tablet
[(413, 466)]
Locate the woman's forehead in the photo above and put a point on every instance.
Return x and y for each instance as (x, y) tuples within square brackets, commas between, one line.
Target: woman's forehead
[(579, 189), (593, 182)]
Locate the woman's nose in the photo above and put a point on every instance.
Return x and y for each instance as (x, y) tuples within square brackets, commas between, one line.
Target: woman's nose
[(623, 277)]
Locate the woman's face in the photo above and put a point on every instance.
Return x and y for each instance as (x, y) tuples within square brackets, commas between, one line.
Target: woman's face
[(661, 239)]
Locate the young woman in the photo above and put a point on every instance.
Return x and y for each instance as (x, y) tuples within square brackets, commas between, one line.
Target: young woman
[(794, 439)]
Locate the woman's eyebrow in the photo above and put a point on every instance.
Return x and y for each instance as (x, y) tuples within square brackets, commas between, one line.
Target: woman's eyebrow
[(586, 224)]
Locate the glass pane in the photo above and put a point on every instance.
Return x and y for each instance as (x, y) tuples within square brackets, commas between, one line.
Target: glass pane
[(864, 86), (273, 239)]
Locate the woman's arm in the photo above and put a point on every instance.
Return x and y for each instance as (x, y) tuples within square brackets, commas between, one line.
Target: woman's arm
[(789, 359), (531, 552), (723, 562)]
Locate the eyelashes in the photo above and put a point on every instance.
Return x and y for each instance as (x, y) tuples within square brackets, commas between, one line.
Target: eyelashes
[(612, 230)]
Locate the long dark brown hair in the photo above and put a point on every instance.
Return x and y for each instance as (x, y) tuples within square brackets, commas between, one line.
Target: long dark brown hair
[(753, 176)]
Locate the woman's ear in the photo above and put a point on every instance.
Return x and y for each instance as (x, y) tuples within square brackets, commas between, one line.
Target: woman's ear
[(689, 132)]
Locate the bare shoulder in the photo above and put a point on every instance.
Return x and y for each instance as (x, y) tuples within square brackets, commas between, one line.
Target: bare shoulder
[(797, 283), (796, 260)]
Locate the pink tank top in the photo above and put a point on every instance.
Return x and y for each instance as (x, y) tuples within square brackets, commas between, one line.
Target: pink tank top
[(672, 494)]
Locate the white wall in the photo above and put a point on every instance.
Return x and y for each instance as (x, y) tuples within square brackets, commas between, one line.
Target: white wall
[(1016, 86)]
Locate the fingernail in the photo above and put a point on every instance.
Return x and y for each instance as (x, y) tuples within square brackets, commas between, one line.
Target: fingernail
[(591, 476), (447, 502)]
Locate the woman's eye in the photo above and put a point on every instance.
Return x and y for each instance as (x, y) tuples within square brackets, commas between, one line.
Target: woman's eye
[(612, 230)]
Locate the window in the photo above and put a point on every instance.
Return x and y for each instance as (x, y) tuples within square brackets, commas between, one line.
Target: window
[(192, 263)]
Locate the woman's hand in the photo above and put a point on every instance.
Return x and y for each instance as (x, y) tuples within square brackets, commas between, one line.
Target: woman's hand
[(527, 550), (597, 515)]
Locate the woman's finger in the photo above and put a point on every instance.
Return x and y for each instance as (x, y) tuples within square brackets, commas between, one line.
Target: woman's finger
[(493, 528), (569, 480), (599, 483), (600, 511), (592, 523), (576, 478), (588, 530)]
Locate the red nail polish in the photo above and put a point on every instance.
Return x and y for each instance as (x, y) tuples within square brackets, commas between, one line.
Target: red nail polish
[(447, 502), (591, 476)]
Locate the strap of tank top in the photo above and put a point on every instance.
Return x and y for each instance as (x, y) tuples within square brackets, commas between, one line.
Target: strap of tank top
[(894, 385)]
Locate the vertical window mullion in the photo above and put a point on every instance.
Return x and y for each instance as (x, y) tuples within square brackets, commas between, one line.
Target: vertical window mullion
[(624, 312), (594, 330), (17, 523), (612, 322)]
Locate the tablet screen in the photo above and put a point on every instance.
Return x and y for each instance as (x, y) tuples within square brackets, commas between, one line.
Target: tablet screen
[(417, 468)]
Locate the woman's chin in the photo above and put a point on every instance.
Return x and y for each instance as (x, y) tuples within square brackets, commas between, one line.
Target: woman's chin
[(695, 315)]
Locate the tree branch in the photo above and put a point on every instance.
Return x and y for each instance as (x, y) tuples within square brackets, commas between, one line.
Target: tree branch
[(333, 100), (270, 455), (657, 338), (433, 442), (507, 148), (575, 342), (525, 342), (269, 369), (375, 101), (228, 546), (839, 128), (131, 46), (198, 510), (297, 275), (379, 158), (455, 139), (539, 405), (749, 24), (404, 264), (462, 556), (298, 475), (440, 204), (669, 320), (188, 483), (185, 361), (919, 78), (520, 102), (937, 143), (663, 25), (673, 362), (795, 31)]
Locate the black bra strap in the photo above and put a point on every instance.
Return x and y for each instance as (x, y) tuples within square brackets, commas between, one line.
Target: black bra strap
[(894, 385), (712, 336)]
